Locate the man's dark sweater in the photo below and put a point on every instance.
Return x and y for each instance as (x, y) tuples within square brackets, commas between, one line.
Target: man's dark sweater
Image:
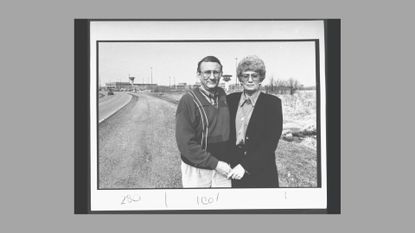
[(189, 130)]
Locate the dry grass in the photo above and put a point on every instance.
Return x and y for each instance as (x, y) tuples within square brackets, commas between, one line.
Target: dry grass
[(296, 164), (296, 157), (299, 110)]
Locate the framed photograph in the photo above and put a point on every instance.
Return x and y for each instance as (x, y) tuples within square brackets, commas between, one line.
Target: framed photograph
[(161, 102)]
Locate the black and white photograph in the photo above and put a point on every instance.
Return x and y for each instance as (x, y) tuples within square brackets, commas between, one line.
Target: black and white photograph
[(207, 115)]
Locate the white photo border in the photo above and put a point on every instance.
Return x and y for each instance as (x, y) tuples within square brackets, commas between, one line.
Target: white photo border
[(206, 199)]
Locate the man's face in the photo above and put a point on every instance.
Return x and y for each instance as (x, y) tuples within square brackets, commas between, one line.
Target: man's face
[(250, 81), (210, 73)]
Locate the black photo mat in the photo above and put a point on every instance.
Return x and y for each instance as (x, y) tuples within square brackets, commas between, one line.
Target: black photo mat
[(83, 123)]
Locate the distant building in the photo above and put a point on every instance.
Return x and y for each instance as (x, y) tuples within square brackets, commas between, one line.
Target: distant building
[(145, 86), (118, 85), (197, 84), (127, 86), (181, 86), (163, 89)]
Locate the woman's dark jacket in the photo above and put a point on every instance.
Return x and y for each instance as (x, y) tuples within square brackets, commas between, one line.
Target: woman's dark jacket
[(257, 155)]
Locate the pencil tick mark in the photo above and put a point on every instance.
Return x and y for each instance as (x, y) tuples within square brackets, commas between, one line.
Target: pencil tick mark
[(165, 199)]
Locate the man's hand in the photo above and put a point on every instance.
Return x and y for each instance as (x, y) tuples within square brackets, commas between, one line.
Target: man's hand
[(223, 168), (237, 172)]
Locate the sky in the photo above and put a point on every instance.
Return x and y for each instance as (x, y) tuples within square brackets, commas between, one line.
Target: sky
[(170, 62)]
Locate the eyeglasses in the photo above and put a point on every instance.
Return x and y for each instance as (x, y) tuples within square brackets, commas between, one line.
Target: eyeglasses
[(254, 76), (208, 73)]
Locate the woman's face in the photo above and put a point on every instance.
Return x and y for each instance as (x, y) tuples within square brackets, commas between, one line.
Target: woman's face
[(251, 81)]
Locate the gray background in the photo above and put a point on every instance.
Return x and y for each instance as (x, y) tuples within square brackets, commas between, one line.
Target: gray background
[(37, 123)]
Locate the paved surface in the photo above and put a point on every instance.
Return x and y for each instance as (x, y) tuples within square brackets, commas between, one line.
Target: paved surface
[(112, 104), (137, 146)]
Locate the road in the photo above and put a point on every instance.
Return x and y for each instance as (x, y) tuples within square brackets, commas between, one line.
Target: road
[(112, 104), (137, 147)]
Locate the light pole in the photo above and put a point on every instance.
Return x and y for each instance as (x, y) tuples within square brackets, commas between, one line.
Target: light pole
[(151, 75)]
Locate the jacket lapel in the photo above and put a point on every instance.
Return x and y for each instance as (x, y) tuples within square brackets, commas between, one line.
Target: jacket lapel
[(255, 114), (234, 105), (233, 108)]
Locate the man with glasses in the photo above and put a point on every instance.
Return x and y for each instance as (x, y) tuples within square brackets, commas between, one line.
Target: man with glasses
[(202, 130), (256, 127)]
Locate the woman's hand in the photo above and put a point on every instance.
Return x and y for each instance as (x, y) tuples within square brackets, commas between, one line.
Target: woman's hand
[(237, 172)]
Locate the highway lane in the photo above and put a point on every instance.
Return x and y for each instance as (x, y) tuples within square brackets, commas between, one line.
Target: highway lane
[(112, 104), (137, 146)]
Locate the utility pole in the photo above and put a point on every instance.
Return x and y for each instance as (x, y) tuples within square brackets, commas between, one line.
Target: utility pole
[(151, 75)]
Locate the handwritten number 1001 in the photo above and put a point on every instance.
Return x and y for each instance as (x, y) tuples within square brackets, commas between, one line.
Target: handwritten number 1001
[(205, 200)]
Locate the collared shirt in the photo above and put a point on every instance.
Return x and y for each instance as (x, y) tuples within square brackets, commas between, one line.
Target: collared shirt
[(243, 115), (210, 96)]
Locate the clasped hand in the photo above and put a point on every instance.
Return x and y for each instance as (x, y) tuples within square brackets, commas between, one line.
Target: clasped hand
[(237, 172), (223, 168)]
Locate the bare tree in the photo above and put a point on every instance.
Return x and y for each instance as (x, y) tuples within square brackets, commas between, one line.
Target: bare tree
[(271, 84), (293, 85), (280, 86)]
